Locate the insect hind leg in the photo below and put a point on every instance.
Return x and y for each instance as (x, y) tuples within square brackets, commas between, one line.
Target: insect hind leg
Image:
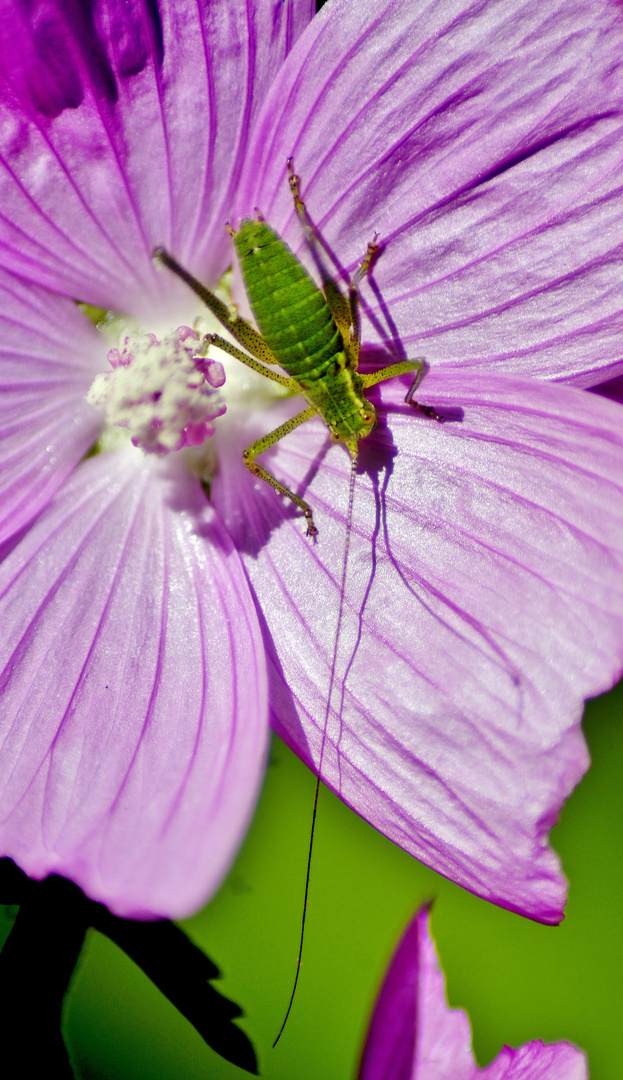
[(337, 303), (264, 443), (310, 233), (353, 294)]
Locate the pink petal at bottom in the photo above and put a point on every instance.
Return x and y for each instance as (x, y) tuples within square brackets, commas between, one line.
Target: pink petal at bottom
[(413, 1034), (133, 728), (483, 604)]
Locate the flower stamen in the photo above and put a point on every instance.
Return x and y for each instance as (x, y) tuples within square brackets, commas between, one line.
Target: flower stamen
[(165, 392)]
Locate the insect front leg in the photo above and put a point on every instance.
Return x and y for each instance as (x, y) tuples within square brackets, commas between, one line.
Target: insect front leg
[(264, 443)]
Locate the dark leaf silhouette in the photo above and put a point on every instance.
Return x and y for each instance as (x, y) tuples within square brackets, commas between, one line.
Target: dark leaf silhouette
[(41, 952), (181, 972)]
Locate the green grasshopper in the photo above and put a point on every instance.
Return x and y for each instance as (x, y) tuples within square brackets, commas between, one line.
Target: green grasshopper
[(313, 334)]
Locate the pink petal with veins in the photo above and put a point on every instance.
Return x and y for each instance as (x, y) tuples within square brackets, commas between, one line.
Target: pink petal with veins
[(123, 126), (483, 604), (133, 730), (414, 1035), (49, 353), (484, 143)]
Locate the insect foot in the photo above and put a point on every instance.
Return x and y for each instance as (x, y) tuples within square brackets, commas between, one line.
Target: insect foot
[(428, 410)]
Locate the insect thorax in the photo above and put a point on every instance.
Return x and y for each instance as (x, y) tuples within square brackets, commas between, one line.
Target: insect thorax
[(340, 401)]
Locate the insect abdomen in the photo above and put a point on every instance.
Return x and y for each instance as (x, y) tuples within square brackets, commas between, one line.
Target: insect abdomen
[(290, 310)]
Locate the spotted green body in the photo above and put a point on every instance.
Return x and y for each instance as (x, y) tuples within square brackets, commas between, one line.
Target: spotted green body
[(311, 333), (301, 332)]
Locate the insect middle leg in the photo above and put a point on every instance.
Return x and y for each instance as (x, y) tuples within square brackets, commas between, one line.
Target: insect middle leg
[(264, 443), (420, 367), (226, 346), (426, 409), (245, 334)]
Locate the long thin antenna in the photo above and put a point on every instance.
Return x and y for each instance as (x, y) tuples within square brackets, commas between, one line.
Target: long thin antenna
[(349, 521), (298, 962)]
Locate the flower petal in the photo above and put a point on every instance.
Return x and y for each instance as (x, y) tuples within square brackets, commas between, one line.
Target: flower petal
[(133, 728), (415, 1036), (124, 125), (49, 352), (483, 142), (483, 604)]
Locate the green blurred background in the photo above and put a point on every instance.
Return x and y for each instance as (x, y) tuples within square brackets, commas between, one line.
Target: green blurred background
[(517, 980)]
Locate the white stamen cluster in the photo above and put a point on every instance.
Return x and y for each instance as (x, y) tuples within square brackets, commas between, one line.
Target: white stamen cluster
[(164, 392)]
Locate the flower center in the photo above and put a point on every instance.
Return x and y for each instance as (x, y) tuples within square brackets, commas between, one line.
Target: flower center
[(165, 392)]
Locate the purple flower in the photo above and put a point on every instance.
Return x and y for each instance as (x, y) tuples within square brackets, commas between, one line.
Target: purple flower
[(483, 593), (415, 1036)]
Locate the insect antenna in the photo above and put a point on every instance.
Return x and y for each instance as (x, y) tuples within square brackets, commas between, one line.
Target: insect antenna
[(349, 520)]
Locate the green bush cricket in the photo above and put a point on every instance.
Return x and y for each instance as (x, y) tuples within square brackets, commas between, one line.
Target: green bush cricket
[(312, 333)]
